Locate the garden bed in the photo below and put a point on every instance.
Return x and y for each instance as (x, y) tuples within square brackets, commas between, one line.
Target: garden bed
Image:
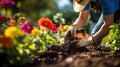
[(68, 55)]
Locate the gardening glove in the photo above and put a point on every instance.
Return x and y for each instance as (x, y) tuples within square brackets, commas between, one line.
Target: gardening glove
[(85, 42), (70, 32)]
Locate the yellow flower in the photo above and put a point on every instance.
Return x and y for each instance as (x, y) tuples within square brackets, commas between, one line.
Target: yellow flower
[(66, 27), (13, 32), (36, 31), (21, 19), (32, 47)]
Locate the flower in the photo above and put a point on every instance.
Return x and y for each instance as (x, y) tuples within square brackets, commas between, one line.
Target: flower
[(8, 3), (80, 35), (54, 28), (87, 35), (12, 22), (21, 19), (60, 27), (65, 27), (13, 31), (45, 23), (36, 31), (6, 41), (27, 27), (4, 18)]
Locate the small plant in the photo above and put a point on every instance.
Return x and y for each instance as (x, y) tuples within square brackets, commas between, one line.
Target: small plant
[(58, 18), (114, 37)]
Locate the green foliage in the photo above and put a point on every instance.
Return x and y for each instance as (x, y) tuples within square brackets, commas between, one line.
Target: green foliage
[(70, 16), (37, 8), (114, 37), (58, 18), (3, 27)]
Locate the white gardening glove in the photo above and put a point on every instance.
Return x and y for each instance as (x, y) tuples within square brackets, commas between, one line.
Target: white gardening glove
[(85, 42), (70, 32)]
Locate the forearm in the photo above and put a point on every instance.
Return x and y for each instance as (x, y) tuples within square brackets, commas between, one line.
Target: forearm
[(104, 30), (82, 19)]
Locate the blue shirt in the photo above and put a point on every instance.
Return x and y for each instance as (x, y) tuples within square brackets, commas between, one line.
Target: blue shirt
[(108, 6)]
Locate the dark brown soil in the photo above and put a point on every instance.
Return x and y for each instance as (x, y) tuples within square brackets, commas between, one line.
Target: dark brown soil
[(69, 55)]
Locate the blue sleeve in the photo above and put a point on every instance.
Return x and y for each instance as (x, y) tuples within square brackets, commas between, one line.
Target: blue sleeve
[(87, 7), (109, 6)]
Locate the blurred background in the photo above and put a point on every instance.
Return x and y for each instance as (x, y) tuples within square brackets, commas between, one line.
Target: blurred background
[(35, 9)]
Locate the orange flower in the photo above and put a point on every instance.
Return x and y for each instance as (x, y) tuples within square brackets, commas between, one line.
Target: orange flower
[(12, 22), (45, 23), (80, 35), (61, 28), (6, 41), (87, 35)]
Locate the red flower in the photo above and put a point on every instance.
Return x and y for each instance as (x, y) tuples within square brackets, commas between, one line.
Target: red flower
[(54, 28), (4, 18), (45, 23), (6, 41)]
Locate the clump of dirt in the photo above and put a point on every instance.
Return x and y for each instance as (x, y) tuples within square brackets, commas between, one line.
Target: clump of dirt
[(60, 52)]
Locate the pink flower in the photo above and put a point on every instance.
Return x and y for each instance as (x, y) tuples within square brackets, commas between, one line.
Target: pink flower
[(54, 28), (8, 3), (27, 27)]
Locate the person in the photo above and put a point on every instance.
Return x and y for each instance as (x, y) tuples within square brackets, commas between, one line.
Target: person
[(109, 7), (97, 19)]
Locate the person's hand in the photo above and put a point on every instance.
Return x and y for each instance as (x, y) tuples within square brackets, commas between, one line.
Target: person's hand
[(85, 42), (70, 32)]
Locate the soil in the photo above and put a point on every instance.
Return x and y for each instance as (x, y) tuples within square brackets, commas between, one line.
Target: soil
[(70, 55)]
